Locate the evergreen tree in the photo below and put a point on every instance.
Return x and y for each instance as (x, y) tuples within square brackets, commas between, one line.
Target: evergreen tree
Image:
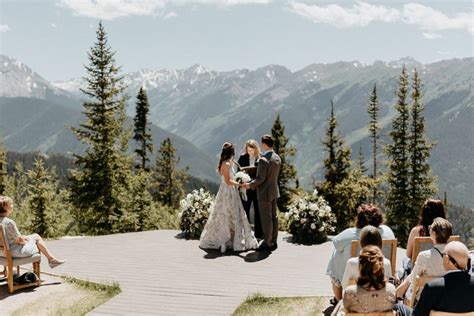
[(101, 184), (141, 131), (421, 179), (169, 181), (361, 162), (3, 169), (374, 128), (43, 199), (338, 170), (401, 211), (287, 177)]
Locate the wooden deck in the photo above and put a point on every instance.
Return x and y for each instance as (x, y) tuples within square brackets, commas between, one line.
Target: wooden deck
[(160, 274)]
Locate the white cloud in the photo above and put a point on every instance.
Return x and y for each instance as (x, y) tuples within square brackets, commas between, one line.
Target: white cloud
[(170, 15), (447, 52), (4, 28), (429, 20), (53, 25), (429, 35), (112, 9), (361, 14)]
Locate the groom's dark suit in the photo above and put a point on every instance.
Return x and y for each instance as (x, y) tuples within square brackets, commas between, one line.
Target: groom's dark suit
[(266, 183)]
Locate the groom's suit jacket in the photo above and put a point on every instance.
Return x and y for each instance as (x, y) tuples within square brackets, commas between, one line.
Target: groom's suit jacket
[(266, 181)]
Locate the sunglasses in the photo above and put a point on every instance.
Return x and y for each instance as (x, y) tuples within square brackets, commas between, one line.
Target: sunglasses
[(454, 262)]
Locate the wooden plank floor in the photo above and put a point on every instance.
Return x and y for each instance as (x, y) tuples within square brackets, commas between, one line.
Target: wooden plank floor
[(160, 274)]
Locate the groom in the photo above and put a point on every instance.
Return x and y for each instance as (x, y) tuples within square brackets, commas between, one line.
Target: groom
[(266, 183)]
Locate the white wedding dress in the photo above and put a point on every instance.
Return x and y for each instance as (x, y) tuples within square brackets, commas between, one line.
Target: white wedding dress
[(227, 226)]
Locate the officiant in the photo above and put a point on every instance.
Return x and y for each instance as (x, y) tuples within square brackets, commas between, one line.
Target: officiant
[(248, 162)]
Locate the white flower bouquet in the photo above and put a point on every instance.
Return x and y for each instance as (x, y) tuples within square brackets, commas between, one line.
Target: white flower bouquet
[(242, 177), (310, 219), (194, 212)]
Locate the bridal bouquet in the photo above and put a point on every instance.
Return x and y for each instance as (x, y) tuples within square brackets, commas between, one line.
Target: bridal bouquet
[(194, 212), (242, 177), (310, 219)]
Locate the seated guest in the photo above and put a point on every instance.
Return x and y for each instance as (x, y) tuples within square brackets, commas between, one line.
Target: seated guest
[(372, 293), (367, 214), (429, 211), (369, 236), (430, 262), (22, 246), (454, 292)]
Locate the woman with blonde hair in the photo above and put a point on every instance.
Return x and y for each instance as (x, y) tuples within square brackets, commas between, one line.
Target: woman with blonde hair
[(248, 162), (22, 246), (372, 293)]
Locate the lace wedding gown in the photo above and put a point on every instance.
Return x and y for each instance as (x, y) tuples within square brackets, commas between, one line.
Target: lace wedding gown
[(227, 226)]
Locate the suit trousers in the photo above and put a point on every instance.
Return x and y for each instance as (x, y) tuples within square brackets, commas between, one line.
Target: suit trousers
[(252, 198), (269, 219)]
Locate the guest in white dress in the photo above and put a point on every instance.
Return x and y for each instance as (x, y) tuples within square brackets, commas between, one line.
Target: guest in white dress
[(429, 262)]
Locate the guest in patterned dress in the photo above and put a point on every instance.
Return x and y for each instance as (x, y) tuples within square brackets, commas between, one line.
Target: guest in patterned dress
[(372, 293), (20, 245)]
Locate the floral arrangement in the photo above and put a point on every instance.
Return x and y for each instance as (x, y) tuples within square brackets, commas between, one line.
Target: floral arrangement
[(242, 177), (194, 212), (310, 219)]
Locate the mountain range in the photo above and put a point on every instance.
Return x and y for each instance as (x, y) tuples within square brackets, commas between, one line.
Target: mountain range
[(208, 107)]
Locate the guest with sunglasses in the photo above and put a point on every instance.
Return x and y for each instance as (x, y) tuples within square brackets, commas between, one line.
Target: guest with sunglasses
[(454, 292)]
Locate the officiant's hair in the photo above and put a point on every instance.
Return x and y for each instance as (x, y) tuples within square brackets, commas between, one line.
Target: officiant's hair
[(267, 140), (252, 143), (227, 153)]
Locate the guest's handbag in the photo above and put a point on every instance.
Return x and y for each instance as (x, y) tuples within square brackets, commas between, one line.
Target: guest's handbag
[(26, 278)]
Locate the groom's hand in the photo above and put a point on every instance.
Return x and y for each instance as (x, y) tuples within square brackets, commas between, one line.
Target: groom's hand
[(246, 186)]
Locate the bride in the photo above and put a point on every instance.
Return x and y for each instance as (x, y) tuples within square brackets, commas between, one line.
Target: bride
[(227, 226)]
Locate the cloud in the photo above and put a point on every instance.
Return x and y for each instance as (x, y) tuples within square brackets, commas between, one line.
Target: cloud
[(112, 9), (361, 14), (170, 15), (53, 25), (4, 28), (429, 20), (429, 35)]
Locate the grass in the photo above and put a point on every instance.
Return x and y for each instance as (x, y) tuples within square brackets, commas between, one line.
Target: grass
[(79, 299), (258, 304)]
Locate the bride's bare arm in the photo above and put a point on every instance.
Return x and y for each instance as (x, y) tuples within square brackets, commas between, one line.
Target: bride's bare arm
[(225, 171)]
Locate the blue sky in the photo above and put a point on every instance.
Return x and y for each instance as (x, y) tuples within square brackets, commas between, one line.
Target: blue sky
[(53, 36)]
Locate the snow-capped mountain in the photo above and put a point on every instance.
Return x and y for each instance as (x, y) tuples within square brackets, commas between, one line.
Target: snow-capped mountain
[(18, 80)]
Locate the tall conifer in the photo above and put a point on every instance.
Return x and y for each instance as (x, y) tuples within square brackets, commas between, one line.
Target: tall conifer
[(142, 133), (288, 176), (401, 211), (101, 184)]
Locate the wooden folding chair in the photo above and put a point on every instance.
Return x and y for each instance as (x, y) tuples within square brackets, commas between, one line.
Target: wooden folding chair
[(425, 243), (418, 285), (9, 262), (389, 249)]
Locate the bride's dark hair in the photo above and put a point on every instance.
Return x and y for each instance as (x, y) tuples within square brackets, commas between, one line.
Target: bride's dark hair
[(228, 152)]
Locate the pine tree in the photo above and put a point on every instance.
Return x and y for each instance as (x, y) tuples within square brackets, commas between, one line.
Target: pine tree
[(401, 211), (3, 169), (288, 176), (374, 128), (101, 185), (141, 131), (168, 180), (43, 199), (361, 162), (421, 179), (338, 170)]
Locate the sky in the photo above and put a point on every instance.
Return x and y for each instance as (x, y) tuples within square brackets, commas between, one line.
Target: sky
[(54, 36)]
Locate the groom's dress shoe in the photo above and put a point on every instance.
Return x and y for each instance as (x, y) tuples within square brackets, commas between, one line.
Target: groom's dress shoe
[(274, 247), (263, 247)]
